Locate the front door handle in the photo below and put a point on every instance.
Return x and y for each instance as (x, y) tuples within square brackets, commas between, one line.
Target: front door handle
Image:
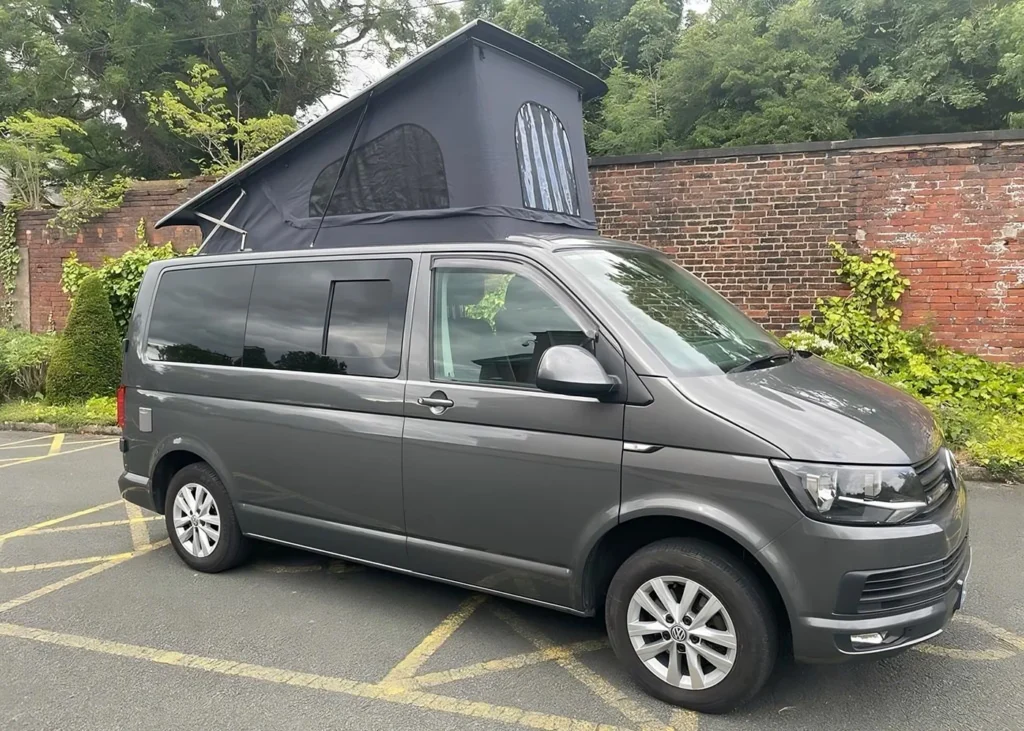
[(437, 402)]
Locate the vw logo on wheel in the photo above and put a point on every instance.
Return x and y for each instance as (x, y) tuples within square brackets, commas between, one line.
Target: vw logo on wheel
[(678, 633)]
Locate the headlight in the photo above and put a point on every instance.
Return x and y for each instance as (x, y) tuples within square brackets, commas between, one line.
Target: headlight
[(843, 494)]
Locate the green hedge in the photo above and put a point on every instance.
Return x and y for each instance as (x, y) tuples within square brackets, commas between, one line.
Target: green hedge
[(99, 411), (87, 359)]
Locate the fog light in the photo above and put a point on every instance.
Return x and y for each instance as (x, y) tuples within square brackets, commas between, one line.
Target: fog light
[(872, 639)]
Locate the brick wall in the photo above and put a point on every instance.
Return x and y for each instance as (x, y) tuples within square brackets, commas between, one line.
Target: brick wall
[(44, 249), (755, 223)]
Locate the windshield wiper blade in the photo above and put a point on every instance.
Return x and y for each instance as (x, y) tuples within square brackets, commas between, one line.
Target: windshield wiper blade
[(762, 361)]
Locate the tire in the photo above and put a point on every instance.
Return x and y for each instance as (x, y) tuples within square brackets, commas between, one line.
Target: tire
[(230, 547), (747, 612)]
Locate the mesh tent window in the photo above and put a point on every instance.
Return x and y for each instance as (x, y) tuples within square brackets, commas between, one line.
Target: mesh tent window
[(400, 170), (545, 161)]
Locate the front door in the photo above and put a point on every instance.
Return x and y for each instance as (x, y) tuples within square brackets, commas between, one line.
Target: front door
[(503, 483)]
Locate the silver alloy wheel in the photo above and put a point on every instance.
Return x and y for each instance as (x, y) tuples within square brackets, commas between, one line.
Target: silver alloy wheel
[(681, 632), (196, 520)]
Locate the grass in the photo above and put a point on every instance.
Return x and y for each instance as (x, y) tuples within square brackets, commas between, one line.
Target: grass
[(100, 411)]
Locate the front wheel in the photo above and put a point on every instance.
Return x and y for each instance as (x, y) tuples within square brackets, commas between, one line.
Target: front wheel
[(201, 521), (692, 624)]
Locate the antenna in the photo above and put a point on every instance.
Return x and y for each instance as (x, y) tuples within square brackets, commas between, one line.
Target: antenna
[(344, 164)]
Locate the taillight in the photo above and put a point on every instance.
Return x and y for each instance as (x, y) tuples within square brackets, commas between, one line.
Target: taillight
[(120, 406)]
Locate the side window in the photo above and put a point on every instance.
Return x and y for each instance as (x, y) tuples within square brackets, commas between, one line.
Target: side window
[(345, 317), (492, 327), (401, 170), (545, 161), (199, 316)]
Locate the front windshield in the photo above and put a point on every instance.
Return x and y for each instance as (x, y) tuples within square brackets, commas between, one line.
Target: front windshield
[(695, 329)]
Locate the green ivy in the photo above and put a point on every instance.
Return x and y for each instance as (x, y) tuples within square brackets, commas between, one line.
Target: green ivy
[(88, 200), (10, 259), (980, 404)]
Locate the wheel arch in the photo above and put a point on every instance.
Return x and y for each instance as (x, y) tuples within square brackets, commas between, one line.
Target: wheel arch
[(171, 456)]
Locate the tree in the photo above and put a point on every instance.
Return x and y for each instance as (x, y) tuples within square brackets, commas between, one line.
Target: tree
[(91, 61), (34, 156), (198, 115), (87, 359)]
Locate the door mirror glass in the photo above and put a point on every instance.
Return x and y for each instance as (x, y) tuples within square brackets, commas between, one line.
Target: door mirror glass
[(572, 371)]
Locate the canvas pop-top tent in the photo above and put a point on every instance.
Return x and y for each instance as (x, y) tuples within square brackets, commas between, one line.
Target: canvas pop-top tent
[(477, 138)]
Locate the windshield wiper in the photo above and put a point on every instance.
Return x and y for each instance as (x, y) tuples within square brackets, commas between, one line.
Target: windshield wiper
[(763, 361)]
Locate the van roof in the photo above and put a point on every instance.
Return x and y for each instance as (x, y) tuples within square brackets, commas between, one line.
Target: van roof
[(549, 242)]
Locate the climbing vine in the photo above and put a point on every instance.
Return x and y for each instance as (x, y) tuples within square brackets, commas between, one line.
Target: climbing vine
[(9, 261)]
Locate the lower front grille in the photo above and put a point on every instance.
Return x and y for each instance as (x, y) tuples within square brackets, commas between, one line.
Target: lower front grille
[(906, 588)]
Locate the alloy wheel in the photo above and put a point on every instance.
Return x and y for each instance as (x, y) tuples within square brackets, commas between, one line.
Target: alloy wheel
[(681, 632), (196, 520)]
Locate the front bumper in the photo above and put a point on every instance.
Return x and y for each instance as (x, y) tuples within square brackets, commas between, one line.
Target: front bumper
[(138, 489), (815, 563)]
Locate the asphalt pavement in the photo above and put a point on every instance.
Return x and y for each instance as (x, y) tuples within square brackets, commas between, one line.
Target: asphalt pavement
[(102, 627)]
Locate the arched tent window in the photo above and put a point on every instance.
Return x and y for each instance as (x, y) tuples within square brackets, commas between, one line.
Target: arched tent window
[(545, 161), (400, 170)]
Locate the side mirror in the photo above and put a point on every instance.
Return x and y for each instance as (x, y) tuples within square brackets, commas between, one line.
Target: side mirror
[(572, 371)]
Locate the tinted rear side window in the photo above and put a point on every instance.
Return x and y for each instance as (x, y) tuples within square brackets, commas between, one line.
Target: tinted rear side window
[(343, 317), (199, 316)]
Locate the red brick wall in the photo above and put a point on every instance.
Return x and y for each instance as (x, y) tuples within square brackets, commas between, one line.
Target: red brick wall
[(110, 235), (755, 223)]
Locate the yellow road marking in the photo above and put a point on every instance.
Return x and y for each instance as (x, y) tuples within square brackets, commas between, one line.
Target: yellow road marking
[(389, 693), (431, 643), (514, 662), (62, 564), (26, 460), (8, 445), (137, 526), (90, 526), (1014, 640), (604, 690), (55, 521), (74, 579), (56, 444)]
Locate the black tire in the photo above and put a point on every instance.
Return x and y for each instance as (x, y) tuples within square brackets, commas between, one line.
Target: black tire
[(232, 547), (740, 593)]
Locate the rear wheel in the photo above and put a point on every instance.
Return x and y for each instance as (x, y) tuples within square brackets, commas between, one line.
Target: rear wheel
[(201, 521), (692, 624)]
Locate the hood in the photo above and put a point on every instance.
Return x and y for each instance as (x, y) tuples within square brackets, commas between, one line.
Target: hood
[(815, 411)]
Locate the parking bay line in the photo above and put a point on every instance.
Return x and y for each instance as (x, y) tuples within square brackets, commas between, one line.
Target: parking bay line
[(26, 460), (137, 526), (431, 643), (384, 692), (56, 444), (608, 693), (91, 526), (66, 562), (55, 521)]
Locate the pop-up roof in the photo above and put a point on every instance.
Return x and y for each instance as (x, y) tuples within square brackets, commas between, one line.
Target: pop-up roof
[(477, 138)]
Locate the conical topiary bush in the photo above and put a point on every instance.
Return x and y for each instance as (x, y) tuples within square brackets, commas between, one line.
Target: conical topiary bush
[(87, 359)]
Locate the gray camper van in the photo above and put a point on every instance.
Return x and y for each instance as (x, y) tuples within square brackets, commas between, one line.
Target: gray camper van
[(441, 369)]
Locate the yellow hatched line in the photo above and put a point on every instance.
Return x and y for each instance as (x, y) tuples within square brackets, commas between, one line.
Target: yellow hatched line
[(431, 643), (604, 690), (91, 526), (55, 521), (66, 562), (55, 445), (39, 438), (75, 578), (388, 693), (514, 662), (137, 526), (26, 460)]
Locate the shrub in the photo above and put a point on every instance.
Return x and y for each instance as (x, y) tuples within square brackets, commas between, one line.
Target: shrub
[(979, 404), (121, 276), (87, 359), (24, 358)]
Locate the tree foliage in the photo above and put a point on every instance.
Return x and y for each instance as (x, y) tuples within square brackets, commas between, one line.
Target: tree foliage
[(198, 115), (91, 60), (34, 155), (767, 71)]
